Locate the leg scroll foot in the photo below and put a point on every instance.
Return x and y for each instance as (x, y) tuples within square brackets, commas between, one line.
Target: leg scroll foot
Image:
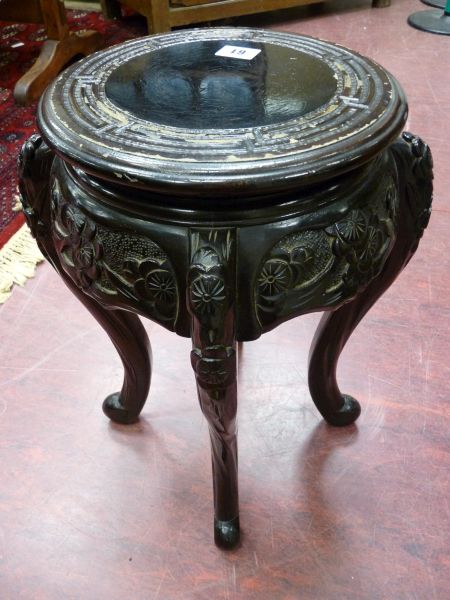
[(347, 414), (349, 411), (114, 409)]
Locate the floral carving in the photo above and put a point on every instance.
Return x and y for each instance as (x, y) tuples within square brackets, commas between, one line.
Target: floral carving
[(117, 264), (214, 366), (352, 228), (296, 261), (362, 239), (420, 192), (160, 285), (208, 290), (207, 293), (152, 281), (373, 244), (323, 267), (275, 277), (80, 247), (34, 166), (210, 303)]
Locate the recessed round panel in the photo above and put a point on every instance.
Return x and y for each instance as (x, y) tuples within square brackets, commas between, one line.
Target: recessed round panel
[(192, 85)]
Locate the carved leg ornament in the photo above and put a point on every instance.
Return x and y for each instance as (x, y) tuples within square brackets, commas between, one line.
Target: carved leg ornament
[(124, 329), (210, 301), (414, 166)]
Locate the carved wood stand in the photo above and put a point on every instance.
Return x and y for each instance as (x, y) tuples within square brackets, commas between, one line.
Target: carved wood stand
[(288, 199)]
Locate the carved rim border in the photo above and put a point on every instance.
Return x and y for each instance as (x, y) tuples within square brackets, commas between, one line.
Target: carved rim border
[(83, 126)]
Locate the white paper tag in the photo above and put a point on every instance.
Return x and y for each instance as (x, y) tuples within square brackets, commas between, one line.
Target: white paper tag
[(238, 52)]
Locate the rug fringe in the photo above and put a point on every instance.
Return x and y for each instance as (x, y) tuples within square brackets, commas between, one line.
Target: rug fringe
[(17, 204), (18, 260)]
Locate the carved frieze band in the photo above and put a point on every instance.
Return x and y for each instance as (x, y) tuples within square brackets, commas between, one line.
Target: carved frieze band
[(306, 270), (120, 266), (318, 268), (116, 264)]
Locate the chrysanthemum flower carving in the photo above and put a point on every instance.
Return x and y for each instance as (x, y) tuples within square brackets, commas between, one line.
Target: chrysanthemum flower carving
[(275, 277), (151, 280), (80, 246), (207, 293)]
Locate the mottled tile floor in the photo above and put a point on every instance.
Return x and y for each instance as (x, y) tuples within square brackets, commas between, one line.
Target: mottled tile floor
[(92, 510)]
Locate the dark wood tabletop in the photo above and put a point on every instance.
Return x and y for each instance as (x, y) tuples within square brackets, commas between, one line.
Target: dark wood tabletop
[(172, 113)]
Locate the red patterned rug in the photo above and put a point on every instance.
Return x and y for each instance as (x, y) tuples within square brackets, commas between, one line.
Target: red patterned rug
[(19, 47)]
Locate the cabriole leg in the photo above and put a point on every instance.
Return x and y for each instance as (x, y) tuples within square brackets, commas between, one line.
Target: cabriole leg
[(414, 167), (130, 339), (124, 329)]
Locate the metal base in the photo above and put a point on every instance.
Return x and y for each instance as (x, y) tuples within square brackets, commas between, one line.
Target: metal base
[(435, 3), (433, 21)]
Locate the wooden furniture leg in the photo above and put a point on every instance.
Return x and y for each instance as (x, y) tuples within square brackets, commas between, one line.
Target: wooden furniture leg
[(54, 56), (414, 166), (158, 17), (110, 9), (213, 357), (123, 328), (61, 47), (130, 339)]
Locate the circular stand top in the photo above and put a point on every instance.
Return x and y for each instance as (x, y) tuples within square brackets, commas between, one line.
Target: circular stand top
[(221, 110)]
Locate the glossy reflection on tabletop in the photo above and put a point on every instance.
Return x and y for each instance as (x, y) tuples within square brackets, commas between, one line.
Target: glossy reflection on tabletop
[(188, 85)]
